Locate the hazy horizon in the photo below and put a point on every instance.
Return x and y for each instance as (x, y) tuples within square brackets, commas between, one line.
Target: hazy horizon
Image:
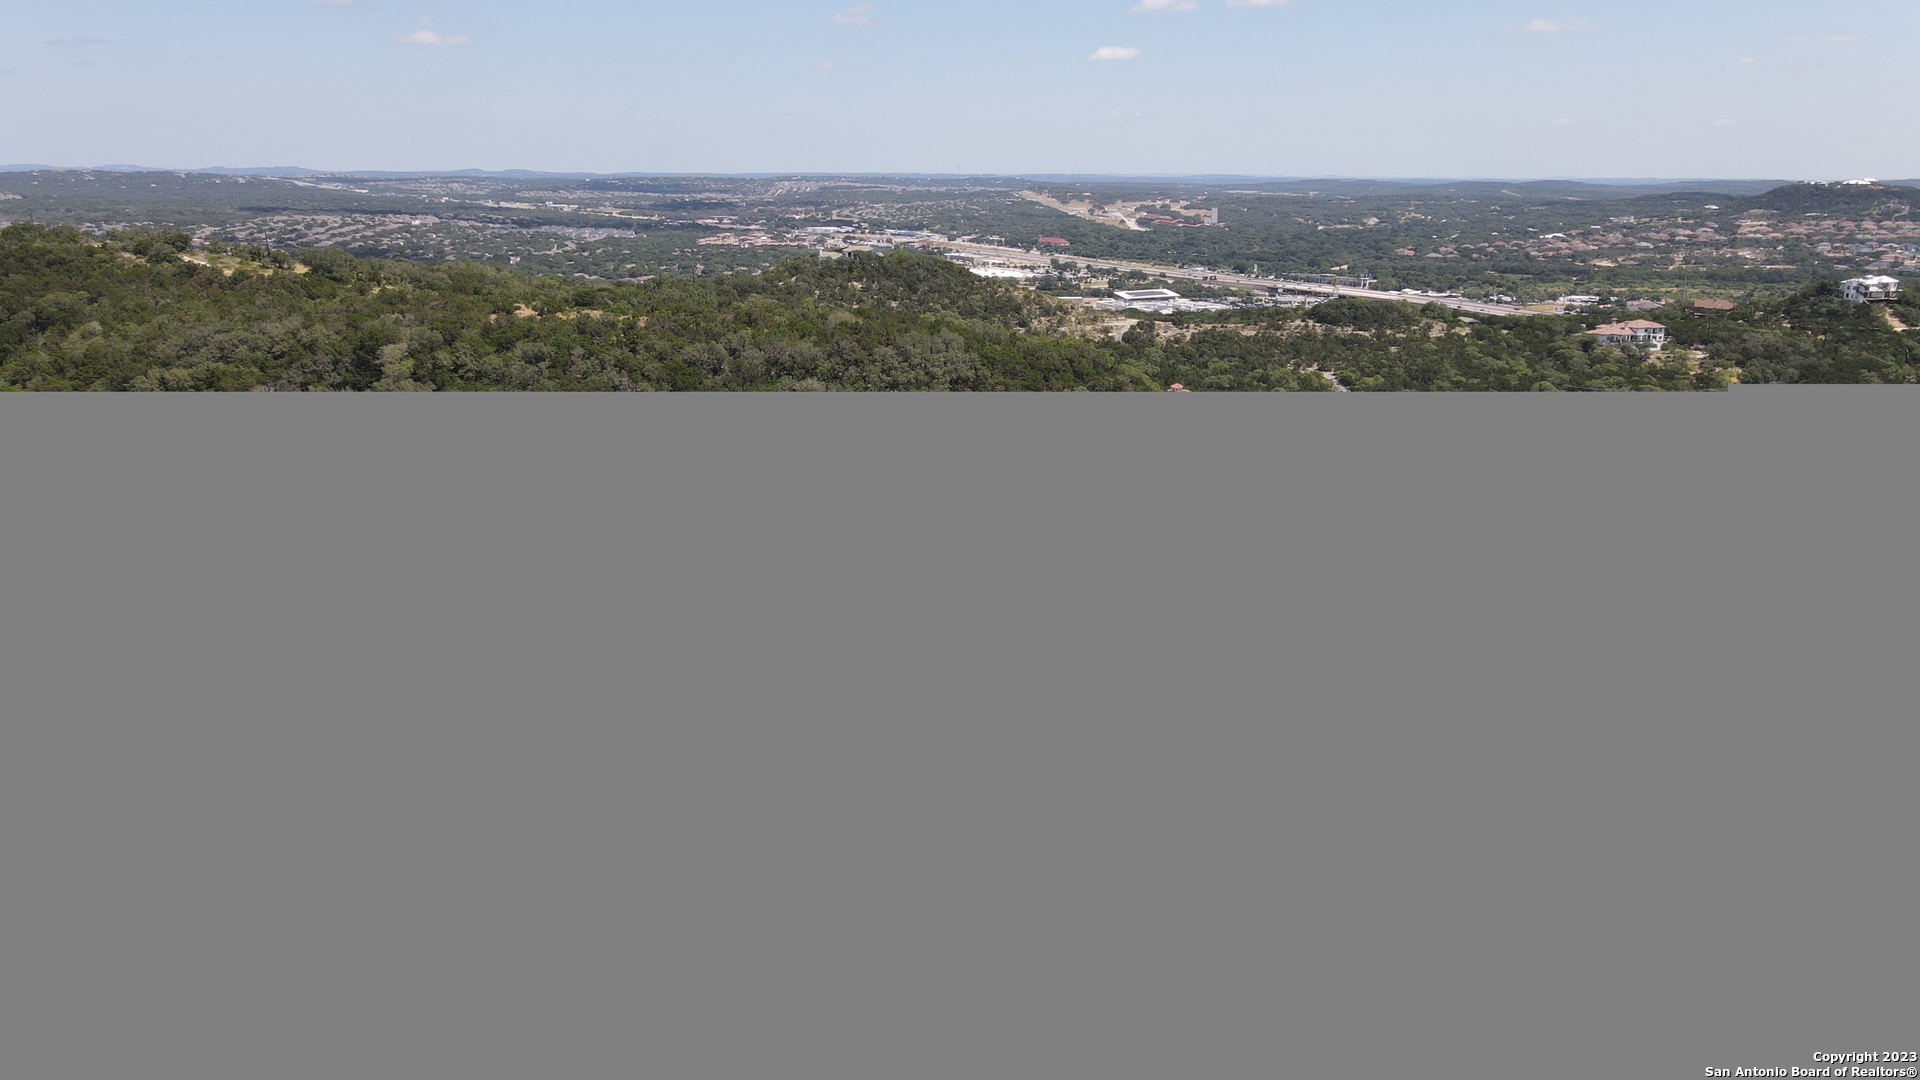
[(1482, 89), (1028, 174)]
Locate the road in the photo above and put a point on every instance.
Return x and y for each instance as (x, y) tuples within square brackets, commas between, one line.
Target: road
[(1041, 261)]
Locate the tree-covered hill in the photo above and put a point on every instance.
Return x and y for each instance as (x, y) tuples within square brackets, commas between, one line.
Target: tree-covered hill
[(1832, 198), (154, 311), (1812, 336), (147, 312)]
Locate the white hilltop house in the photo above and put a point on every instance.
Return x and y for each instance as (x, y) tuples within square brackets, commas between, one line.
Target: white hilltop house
[(1863, 290)]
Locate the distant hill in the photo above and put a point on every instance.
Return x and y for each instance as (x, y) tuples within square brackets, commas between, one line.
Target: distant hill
[(1832, 198), (283, 170), (215, 170), (1583, 190), (1498, 190)]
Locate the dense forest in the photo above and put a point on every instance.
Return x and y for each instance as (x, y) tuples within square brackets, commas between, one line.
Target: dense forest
[(152, 312), (155, 311)]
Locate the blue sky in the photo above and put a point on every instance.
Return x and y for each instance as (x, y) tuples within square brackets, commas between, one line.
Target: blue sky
[(1507, 88)]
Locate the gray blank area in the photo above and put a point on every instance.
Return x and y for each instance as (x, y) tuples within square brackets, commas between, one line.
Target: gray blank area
[(888, 739)]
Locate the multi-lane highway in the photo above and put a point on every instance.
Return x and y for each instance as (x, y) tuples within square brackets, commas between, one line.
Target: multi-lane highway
[(1041, 261)]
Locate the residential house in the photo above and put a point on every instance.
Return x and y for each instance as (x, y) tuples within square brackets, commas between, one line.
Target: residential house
[(1862, 290), (1639, 333)]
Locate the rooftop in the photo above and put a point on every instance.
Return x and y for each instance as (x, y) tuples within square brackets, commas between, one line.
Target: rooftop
[(1632, 328)]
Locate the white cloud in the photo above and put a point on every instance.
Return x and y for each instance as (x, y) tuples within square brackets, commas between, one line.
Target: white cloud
[(1568, 25), (1166, 5), (428, 37), (1115, 52), (857, 15)]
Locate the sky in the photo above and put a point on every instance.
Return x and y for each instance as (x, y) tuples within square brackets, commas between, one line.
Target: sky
[(1775, 89)]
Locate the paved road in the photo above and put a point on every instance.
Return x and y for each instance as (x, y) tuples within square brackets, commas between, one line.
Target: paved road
[(1021, 257)]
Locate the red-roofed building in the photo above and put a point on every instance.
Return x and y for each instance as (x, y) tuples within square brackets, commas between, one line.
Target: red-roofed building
[(1639, 333), (1055, 241)]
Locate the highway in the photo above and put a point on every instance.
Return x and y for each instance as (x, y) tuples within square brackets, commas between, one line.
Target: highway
[(1042, 261)]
